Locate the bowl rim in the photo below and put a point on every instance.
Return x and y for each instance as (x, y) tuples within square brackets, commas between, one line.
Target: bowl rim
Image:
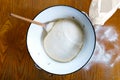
[(92, 29)]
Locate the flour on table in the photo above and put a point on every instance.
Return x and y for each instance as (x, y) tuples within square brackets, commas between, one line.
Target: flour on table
[(105, 34)]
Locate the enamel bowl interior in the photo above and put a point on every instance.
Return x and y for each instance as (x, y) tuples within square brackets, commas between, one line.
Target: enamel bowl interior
[(36, 35)]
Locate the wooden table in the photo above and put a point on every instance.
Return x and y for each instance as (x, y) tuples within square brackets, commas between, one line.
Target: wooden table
[(15, 60)]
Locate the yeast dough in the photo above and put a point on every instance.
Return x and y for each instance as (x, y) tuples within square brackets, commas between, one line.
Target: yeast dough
[(64, 41)]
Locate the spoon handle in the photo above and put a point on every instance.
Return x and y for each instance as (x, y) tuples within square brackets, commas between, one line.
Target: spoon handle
[(28, 20)]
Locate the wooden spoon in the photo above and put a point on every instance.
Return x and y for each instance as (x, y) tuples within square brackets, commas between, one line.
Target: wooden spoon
[(28, 20), (46, 26)]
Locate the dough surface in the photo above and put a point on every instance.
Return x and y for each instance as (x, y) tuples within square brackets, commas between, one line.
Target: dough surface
[(64, 41)]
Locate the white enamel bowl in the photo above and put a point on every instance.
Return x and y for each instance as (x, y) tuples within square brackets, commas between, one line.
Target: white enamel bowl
[(35, 41)]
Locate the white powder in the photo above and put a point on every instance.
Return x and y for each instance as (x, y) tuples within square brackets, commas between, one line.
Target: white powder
[(107, 56)]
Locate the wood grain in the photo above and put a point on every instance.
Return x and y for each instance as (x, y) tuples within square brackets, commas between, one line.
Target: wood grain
[(15, 61)]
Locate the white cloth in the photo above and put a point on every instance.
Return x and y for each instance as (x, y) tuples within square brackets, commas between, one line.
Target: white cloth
[(101, 10)]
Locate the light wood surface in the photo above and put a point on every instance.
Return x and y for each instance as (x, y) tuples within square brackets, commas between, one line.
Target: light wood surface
[(15, 61)]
